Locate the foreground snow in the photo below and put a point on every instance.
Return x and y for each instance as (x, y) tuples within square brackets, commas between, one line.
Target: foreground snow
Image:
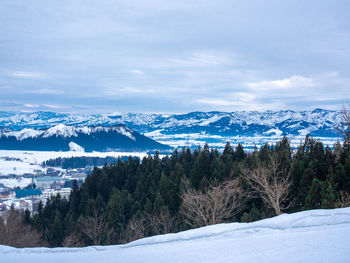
[(311, 236)]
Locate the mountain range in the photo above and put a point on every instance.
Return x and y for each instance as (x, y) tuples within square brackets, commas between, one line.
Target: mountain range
[(195, 127)]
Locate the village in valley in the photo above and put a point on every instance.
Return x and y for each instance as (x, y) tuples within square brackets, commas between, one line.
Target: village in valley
[(26, 191)]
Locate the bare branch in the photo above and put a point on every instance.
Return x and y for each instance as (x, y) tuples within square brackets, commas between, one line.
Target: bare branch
[(72, 241), (214, 206), (344, 200), (270, 182), (94, 227), (14, 233), (343, 128), (161, 223), (135, 229)]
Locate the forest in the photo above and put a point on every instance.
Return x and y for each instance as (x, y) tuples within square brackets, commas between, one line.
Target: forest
[(131, 199)]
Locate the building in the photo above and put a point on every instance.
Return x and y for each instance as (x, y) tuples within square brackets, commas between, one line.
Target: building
[(47, 181), (28, 193), (63, 192), (2, 207)]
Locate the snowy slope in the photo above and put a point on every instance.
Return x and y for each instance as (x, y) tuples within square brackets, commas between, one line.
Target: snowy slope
[(65, 131), (21, 162), (64, 138), (310, 236)]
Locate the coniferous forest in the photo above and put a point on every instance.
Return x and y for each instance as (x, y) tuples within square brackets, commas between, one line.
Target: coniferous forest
[(134, 198)]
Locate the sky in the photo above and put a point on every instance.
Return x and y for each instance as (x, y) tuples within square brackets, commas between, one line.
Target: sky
[(158, 56)]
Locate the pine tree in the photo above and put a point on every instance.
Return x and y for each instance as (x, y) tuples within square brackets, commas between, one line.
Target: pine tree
[(74, 200), (56, 231), (314, 198)]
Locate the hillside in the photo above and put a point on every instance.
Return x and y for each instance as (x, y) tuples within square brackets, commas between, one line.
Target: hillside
[(310, 236), (82, 138)]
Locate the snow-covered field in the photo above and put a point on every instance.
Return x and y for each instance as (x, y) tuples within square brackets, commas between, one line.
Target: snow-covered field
[(218, 141), (16, 182), (310, 236), (20, 162)]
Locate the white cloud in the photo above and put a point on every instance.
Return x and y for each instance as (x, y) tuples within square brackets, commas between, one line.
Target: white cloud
[(200, 59), (28, 75), (234, 99), (135, 90), (122, 91), (217, 102), (52, 106), (45, 91), (31, 105), (288, 83), (182, 51), (243, 103), (5, 87), (136, 71)]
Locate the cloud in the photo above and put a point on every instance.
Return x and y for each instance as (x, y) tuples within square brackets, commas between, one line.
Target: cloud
[(28, 75), (217, 102), (136, 71), (45, 91), (233, 99), (200, 59), (53, 106), (239, 104), (122, 91), (5, 87), (31, 105), (200, 55), (288, 83)]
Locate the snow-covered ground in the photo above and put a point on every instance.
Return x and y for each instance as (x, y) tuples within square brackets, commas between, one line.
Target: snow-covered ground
[(20, 162), (249, 142), (310, 236), (16, 182)]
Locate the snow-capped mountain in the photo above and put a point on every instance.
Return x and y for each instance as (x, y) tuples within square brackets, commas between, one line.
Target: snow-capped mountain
[(195, 127), (316, 123), (63, 138)]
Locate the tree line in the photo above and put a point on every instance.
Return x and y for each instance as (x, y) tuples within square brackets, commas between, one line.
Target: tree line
[(135, 198), (80, 161)]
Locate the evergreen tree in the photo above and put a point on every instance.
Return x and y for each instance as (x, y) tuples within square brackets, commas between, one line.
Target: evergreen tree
[(314, 198), (56, 231)]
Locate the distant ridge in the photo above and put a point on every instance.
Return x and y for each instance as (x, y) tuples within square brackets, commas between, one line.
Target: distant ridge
[(64, 138), (318, 122)]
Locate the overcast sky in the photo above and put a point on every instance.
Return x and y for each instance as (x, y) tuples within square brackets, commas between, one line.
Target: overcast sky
[(173, 56)]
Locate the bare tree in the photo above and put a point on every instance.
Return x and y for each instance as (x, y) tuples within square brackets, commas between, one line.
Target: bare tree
[(271, 182), (135, 229), (95, 227), (161, 223), (343, 127), (72, 240), (344, 200), (218, 203), (156, 224), (14, 233)]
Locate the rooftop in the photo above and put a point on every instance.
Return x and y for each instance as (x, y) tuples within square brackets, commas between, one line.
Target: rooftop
[(27, 192)]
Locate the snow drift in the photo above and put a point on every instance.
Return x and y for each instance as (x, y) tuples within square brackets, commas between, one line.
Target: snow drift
[(310, 236)]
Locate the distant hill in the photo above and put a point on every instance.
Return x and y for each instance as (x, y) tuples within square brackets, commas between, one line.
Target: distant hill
[(83, 138)]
